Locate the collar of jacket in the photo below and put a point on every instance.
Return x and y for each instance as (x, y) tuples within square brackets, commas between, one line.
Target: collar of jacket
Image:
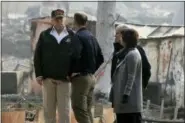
[(64, 29), (67, 29), (117, 46), (81, 29), (122, 53)]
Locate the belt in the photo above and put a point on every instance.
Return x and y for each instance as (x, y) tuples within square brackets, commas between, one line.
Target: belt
[(79, 74)]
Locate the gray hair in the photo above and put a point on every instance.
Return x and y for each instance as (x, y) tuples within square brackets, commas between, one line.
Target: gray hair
[(121, 27)]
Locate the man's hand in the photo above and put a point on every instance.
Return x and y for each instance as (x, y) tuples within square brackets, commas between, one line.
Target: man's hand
[(56, 82), (69, 78), (73, 75), (125, 99), (39, 80)]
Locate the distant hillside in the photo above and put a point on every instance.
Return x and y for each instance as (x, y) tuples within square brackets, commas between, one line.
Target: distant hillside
[(136, 12)]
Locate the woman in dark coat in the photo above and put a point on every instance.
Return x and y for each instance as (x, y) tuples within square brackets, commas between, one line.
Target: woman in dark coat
[(127, 81)]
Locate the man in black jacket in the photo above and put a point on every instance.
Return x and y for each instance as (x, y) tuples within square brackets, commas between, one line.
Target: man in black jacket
[(56, 50), (83, 80)]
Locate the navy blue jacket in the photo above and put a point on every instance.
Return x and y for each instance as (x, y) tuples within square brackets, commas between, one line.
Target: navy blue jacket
[(53, 60), (91, 55)]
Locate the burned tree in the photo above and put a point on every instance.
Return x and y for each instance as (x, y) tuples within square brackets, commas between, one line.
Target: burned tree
[(105, 26)]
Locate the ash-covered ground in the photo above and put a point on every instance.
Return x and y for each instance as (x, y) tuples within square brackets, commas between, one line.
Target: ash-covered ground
[(16, 48)]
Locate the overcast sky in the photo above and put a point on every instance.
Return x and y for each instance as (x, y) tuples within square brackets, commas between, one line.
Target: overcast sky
[(21, 7)]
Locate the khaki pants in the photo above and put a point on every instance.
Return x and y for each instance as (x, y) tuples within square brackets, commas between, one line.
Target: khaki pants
[(82, 94), (56, 95)]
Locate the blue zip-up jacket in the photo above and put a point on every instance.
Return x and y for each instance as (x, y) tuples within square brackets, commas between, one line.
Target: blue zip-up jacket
[(91, 55)]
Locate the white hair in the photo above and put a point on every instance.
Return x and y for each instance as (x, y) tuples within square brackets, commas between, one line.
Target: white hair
[(121, 27)]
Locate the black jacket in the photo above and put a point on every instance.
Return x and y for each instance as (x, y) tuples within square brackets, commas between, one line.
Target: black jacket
[(91, 55), (53, 60), (146, 67), (117, 48)]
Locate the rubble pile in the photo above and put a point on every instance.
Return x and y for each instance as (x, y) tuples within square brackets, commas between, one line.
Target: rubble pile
[(16, 53), (15, 39), (9, 63), (16, 101)]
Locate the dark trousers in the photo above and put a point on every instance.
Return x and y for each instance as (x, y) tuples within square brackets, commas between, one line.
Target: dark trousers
[(129, 118), (82, 94)]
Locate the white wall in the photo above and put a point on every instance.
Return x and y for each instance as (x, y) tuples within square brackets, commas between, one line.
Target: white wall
[(167, 69)]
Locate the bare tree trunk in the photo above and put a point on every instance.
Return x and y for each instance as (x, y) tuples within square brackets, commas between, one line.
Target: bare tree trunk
[(105, 36), (105, 27), (67, 8), (64, 5)]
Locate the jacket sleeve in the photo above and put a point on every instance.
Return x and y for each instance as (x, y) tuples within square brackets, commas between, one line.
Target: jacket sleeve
[(113, 65), (131, 63), (117, 47), (37, 57), (146, 66), (76, 48), (144, 57), (100, 58)]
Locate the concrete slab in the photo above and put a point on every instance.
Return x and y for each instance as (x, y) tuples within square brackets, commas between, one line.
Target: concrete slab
[(153, 93), (8, 83)]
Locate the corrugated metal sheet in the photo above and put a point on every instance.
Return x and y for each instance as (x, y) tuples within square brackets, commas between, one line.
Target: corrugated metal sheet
[(156, 31)]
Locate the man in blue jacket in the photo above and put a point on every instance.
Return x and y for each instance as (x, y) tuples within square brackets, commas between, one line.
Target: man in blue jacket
[(83, 80)]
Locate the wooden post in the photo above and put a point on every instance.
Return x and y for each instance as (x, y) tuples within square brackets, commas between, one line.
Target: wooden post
[(162, 109), (98, 110), (148, 105), (176, 112)]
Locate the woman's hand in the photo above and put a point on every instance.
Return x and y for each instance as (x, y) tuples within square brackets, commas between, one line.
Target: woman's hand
[(125, 99)]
